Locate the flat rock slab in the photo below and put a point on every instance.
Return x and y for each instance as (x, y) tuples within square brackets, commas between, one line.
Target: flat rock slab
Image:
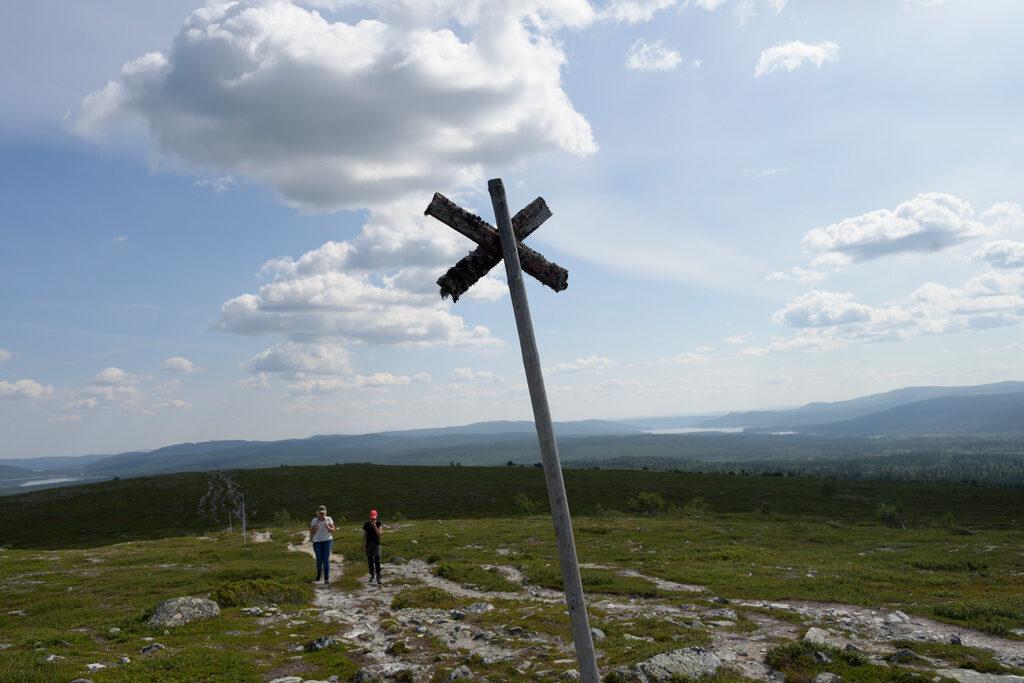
[(690, 662), (968, 676), (179, 611)]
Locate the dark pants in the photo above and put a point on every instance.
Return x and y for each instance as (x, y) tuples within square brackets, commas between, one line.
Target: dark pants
[(322, 550), (373, 559)]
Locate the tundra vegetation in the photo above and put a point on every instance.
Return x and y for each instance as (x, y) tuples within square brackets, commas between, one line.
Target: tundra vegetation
[(661, 553)]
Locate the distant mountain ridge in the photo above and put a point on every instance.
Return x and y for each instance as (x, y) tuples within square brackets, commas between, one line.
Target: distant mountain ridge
[(814, 414)]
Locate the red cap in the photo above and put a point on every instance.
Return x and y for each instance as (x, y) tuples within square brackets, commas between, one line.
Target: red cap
[(373, 514)]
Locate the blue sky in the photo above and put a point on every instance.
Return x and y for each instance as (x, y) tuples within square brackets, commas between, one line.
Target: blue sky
[(760, 203)]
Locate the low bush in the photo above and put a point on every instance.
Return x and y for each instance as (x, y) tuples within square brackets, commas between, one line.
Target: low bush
[(250, 592)]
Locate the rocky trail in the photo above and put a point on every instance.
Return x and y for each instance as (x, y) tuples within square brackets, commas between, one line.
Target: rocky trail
[(412, 643)]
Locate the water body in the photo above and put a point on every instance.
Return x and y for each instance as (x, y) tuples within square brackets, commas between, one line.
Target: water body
[(695, 430), (51, 480)]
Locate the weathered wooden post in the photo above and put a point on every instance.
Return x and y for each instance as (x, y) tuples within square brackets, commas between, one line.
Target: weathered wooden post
[(457, 281)]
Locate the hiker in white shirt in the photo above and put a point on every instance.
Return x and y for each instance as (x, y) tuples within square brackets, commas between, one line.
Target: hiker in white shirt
[(321, 534)]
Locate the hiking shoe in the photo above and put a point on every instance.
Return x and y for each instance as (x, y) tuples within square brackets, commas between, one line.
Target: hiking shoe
[(378, 582)]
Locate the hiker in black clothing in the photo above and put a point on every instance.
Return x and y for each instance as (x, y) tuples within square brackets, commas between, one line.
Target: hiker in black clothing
[(372, 531)]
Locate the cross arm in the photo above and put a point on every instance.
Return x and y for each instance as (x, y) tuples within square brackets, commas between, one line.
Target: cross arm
[(479, 262), (478, 230)]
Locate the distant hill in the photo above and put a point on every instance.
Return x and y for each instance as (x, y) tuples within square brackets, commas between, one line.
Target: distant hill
[(385, 447), (12, 472), (814, 414), (1000, 414)]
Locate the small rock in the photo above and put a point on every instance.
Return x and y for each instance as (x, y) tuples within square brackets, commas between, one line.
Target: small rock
[(850, 647), (364, 676), (720, 601), (458, 614), (151, 648), (421, 629), (777, 676), (178, 611), (816, 635), (82, 680), (822, 658), (297, 648), (124, 660), (903, 656), (598, 635), (724, 623), (321, 643), (114, 631), (96, 666), (691, 662), (480, 607), (955, 639), (895, 618), (460, 673), (570, 675), (287, 679), (826, 677), (17, 613), (251, 611), (516, 631), (723, 613), (52, 658)]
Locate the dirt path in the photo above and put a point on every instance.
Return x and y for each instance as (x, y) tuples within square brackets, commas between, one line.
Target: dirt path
[(364, 619)]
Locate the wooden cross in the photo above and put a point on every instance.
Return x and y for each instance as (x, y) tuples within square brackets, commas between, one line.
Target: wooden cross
[(479, 262), (493, 246)]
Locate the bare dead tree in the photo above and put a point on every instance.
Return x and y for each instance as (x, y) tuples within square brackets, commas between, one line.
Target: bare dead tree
[(224, 499)]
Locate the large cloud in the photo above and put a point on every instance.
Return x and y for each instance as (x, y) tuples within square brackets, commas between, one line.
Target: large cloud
[(24, 388), (351, 115), (929, 222), (1001, 254)]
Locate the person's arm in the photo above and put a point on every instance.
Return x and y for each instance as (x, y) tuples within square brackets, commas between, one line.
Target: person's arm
[(365, 534), (330, 525), (312, 528)]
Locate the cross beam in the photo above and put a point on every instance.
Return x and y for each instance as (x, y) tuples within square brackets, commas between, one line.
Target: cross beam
[(479, 262), (484, 234)]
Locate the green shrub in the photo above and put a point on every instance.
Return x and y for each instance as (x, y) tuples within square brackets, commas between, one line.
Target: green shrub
[(258, 592), (527, 505), (891, 515), (647, 504), (424, 598), (698, 507)]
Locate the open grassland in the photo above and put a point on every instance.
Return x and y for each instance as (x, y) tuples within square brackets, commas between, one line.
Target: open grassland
[(780, 550)]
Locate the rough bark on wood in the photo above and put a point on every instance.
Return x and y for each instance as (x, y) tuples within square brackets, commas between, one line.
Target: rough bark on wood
[(478, 230), (480, 261)]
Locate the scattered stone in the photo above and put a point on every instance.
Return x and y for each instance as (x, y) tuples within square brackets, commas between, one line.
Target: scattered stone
[(287, 679), (178, 611), (598, 635), (114, 631), (296, 648), (82, 680), (17, 613), (151, 648), (4, 646), (822, 658), (777, 676), (955, 639), (460, 673), (516, 631), (124, 660), (896, 618), (458, 614), (251, 611), (850, 647), (52, 658), (364, 676), (723, 613), (826, 677), (903, 656), (570, 675), (691, 662), (817, 635), (630, 636), (322, 643), (480, 607), (724, 623), (96, 666), (720, 601)]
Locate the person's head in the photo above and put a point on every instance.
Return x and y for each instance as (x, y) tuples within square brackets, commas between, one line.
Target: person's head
[(321, 511), (373, 515)]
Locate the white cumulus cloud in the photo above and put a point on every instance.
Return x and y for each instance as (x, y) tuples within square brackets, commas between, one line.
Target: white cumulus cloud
[(635, 11), (302, 359), (589, 364), (352, 115), (644, 56), (1001, 254), (178, 364), (804, 276), (794, 54), (927, 223), (24, 388)]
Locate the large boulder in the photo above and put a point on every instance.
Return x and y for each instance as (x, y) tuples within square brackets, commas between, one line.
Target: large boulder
[(178, 611), (687, 663)]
